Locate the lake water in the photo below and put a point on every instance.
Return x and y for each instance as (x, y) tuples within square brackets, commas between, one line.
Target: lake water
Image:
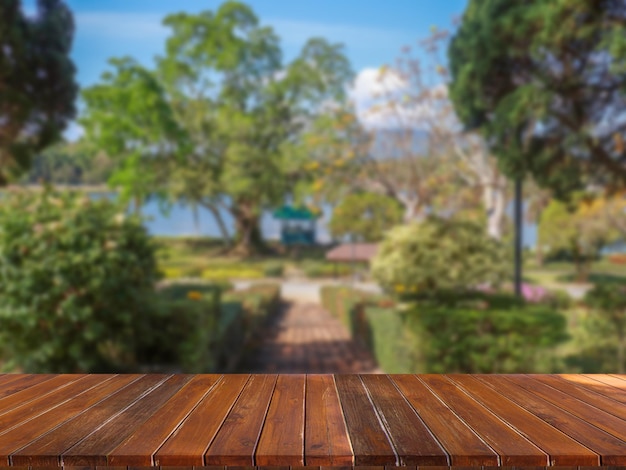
[(179, 221)]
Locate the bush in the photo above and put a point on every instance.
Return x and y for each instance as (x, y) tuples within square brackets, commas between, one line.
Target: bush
[(470, 333), (315, 270), (226, 273), (488, 340), (609, 303), (75, 279), (439, 254), (274, 269)]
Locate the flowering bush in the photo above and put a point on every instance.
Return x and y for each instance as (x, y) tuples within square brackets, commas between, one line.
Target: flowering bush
[(439, 254), (75, 277), (534, 294)]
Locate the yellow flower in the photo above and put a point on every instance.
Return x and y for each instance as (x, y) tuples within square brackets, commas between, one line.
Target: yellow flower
[(194, 295), (399, 288)]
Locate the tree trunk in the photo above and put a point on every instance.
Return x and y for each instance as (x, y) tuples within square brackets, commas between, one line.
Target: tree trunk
[(248, 238), (495, 205)]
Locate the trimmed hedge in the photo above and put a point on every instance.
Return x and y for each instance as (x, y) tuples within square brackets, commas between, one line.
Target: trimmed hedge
[(487, 334), (199, 328)]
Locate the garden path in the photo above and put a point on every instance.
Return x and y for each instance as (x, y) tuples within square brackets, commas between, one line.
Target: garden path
[(305, 338)]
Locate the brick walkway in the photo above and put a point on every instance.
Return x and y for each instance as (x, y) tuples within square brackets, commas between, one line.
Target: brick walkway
[(305, 338)]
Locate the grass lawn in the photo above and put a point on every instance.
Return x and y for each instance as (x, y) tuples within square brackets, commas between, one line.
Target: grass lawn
[(555, 274), (204, 257)]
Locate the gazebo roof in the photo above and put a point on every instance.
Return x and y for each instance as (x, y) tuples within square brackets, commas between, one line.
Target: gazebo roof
[(352, 251), (295, 213)]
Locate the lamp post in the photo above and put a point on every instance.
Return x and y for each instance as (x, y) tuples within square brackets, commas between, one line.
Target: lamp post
[(518, 236)]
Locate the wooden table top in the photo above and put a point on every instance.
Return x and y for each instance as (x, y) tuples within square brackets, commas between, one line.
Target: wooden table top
[(312, 420)]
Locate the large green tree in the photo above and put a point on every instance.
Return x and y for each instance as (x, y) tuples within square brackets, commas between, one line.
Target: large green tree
[(37, 86), (545, 81), (219, 119)]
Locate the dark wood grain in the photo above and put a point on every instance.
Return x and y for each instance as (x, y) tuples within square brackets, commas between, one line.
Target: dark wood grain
[(370, 443), (562, 449), (610, 449), (93, 449), (590, 397), (460, 441), (13, 383), (192, 438), (282, 437), (513, 448), (138, 449), (326, 437), (45, 402), (33, 391), (413, 441), (237, 439), (589, 413), (13, 440), (47, 450)]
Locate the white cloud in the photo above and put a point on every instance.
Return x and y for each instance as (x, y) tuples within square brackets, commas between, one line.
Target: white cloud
[(120, 25), (385, 100)]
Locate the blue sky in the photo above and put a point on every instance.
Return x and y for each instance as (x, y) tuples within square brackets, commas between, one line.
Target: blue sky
[(373, 31)]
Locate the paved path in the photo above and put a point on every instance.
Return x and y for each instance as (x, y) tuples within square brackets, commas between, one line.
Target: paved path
[(304, 338)]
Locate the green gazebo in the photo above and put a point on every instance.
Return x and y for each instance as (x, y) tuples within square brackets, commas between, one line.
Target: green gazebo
[(297, 225)]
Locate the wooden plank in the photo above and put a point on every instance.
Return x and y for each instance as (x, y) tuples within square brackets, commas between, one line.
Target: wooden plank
[(562, 449), (590, 397), (13, 383), (413, 441), (460, 441), (370, 443), (282, 437), (36, 390), (187, 445), (514, 449), (237, 439), (38, 406), (47, 450), (608, 447), (606, 385), (21, 436), (138, 449), (93, 449), (326, 436), (585, 411)]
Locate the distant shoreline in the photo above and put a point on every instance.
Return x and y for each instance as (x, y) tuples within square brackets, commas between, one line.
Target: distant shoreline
[(97, 188)]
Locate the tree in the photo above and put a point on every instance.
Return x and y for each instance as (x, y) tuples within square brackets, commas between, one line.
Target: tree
[(220, 117), (573, 228), (365, 215), (37, 86), (411, 146), (545, 83)]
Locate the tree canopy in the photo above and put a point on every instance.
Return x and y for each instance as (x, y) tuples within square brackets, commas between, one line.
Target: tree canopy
[(545, 82), (37, 86), (218, 119)]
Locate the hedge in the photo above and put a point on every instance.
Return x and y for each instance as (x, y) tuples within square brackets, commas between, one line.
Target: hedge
[(499, 335)]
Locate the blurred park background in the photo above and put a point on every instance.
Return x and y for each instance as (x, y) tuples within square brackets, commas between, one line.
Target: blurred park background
[(175, 184)]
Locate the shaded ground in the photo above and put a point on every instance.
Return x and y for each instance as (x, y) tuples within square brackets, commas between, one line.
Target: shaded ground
[(304, 338)]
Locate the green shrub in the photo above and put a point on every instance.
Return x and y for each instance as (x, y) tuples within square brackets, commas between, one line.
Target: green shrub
[(488, 340), (608, 304), (316, 269), (470, 333), (274, 269), (75, 279), (439, 254), (235, 272)]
